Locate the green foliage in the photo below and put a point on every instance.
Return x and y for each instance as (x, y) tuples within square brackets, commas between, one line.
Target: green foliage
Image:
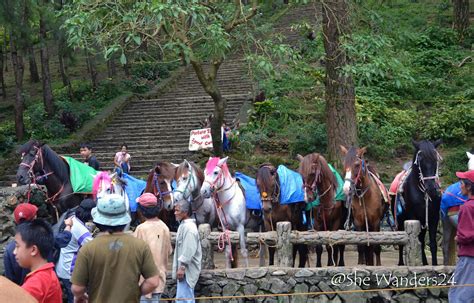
[(454, 161), (7, 136)]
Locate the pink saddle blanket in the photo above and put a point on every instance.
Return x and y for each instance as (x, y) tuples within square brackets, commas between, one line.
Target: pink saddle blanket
[(396, 182)]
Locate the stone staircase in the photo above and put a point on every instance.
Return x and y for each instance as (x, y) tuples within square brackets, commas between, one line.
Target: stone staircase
[(158, 129)]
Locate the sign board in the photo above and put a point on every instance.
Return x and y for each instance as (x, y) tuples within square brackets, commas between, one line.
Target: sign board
[(201, 139)]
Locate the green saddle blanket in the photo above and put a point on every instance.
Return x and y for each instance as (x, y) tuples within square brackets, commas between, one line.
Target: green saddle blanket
[(340, 196), (81, 175)]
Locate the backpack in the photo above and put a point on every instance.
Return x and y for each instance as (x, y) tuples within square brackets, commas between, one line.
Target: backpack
[(57, 229)]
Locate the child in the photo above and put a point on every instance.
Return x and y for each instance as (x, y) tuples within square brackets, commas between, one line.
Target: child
[(157, 235), (122, 160), (33, 244)]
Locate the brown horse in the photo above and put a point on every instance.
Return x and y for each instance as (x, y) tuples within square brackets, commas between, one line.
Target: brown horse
[(320, 186), (159, 183), (268, 184), (367, 200)]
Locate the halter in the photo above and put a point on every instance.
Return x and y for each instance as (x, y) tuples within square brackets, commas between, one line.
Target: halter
[(190, 178), (275, 197), (422, 180), (314, 186), (355, 190), (157, 190)]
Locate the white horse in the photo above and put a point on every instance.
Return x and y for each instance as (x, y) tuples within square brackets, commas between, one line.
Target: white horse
[(450, 224), (189, 179), (230, 205), (110, 184)]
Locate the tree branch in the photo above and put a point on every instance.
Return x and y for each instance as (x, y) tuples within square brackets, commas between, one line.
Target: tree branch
[(236, 21)]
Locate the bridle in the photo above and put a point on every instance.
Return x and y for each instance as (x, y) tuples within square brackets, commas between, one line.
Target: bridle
[(314, 185), (275, 196), (421, 177), (157, 190), (37, 158), (187, 194), (356, 183)]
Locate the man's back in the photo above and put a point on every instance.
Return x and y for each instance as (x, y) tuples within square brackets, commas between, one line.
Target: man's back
[(110, 267)]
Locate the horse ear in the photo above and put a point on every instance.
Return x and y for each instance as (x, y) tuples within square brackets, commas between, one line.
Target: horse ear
[(437, 143), (174, 164), (299, 157), (343, 149), (469, 155), (158, 169), (415, 143), (186, 163), (362, 151), (222, 161)]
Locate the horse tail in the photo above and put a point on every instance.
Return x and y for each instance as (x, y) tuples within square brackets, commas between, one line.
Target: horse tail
[(101, 180)]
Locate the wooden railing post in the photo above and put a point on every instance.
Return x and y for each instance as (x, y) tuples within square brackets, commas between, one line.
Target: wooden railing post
[(207, 250), (413, 247), (284, 245)]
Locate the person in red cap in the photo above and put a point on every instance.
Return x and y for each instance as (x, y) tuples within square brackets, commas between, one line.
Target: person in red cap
[(26, 212), (157, 235), (465, 239)]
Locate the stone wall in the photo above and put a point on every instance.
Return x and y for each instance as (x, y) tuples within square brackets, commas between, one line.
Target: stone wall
[(273, 280)]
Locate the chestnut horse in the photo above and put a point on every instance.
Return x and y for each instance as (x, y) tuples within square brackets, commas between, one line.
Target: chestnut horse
[(320, 186), (268, 184), (159, 183), (366, 200)]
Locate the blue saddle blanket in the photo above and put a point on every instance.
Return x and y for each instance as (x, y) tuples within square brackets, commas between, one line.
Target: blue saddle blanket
[(134, 189), (291, 185), (252, 195), (452, 196)]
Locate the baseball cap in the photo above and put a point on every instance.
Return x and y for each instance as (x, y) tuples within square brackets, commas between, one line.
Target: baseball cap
[(24, 211), (469, 175), (147, 200)]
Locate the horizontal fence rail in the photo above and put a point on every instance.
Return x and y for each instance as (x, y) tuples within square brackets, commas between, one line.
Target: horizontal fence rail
[(284, 238)]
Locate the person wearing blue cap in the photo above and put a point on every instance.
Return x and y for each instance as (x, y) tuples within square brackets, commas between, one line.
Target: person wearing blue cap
[(109, 267)]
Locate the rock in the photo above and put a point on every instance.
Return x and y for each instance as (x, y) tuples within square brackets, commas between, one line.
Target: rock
[(300, 288), (433, 300), (236, 274), (434, 291), (352, 296), (407, 298), (265, 285), (257, 273), (279, 273), (250, 289), (291, 282), (304, 273), (326, 288), (230, 289), (278, 286)]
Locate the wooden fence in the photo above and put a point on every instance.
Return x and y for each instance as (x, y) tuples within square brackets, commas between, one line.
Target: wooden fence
[(284, 238)]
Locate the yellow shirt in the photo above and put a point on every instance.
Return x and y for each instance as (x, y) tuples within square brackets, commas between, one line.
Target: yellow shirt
[(157, 235)]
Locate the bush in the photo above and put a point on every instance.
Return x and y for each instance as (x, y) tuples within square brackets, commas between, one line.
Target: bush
[(453, 162), (7, 136)]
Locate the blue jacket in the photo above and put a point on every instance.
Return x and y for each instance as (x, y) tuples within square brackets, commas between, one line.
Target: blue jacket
[(14, 272)]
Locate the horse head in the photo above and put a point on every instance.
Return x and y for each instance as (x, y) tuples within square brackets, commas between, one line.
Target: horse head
[(356, 168), (470, 164), (318, 179), (159, 183), (189, 179), (32, 162), (268, 186), (215, 176), (426, 163)]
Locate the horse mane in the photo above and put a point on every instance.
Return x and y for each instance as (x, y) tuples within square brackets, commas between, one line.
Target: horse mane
[(25, 148), (264, 175), (212, 163), (56, 163), (102, 176), (350, 157), (306, 168), (428, 150), (166, 169), (182, 169)]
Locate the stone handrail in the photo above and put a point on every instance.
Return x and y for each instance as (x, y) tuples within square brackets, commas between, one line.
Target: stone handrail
[(284, 238)]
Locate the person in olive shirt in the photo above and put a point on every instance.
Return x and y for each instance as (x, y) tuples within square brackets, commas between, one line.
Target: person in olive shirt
[(109, 267)]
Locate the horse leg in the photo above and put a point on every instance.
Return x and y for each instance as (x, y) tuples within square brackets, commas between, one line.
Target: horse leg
[(341, 255), (421, 237), (331, 260), (319, 252), (235, 255), (228, 253), (378, 250), (361, 254), (433, 228), (271, 255), (243, 248), (303, 254)]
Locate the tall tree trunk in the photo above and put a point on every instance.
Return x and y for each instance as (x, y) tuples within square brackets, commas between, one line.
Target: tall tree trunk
[(340, 94), (111, 68), (34, 75), (2, 63), (126, 69), (18, 70), (47, 90), (209, 84), (461, 18), (6, 51), (90, 58), (64, 75)]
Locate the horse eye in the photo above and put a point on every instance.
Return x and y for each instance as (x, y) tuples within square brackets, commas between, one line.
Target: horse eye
[(215, 173), (185, 178)]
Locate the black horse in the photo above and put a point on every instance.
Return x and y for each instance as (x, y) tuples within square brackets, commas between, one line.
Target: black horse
[(41, 165), (421, 196)]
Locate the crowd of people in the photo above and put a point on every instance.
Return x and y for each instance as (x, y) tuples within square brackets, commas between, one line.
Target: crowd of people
[(112, 266)]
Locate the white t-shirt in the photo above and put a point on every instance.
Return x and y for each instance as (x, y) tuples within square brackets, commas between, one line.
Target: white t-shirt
[(80, 236)]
